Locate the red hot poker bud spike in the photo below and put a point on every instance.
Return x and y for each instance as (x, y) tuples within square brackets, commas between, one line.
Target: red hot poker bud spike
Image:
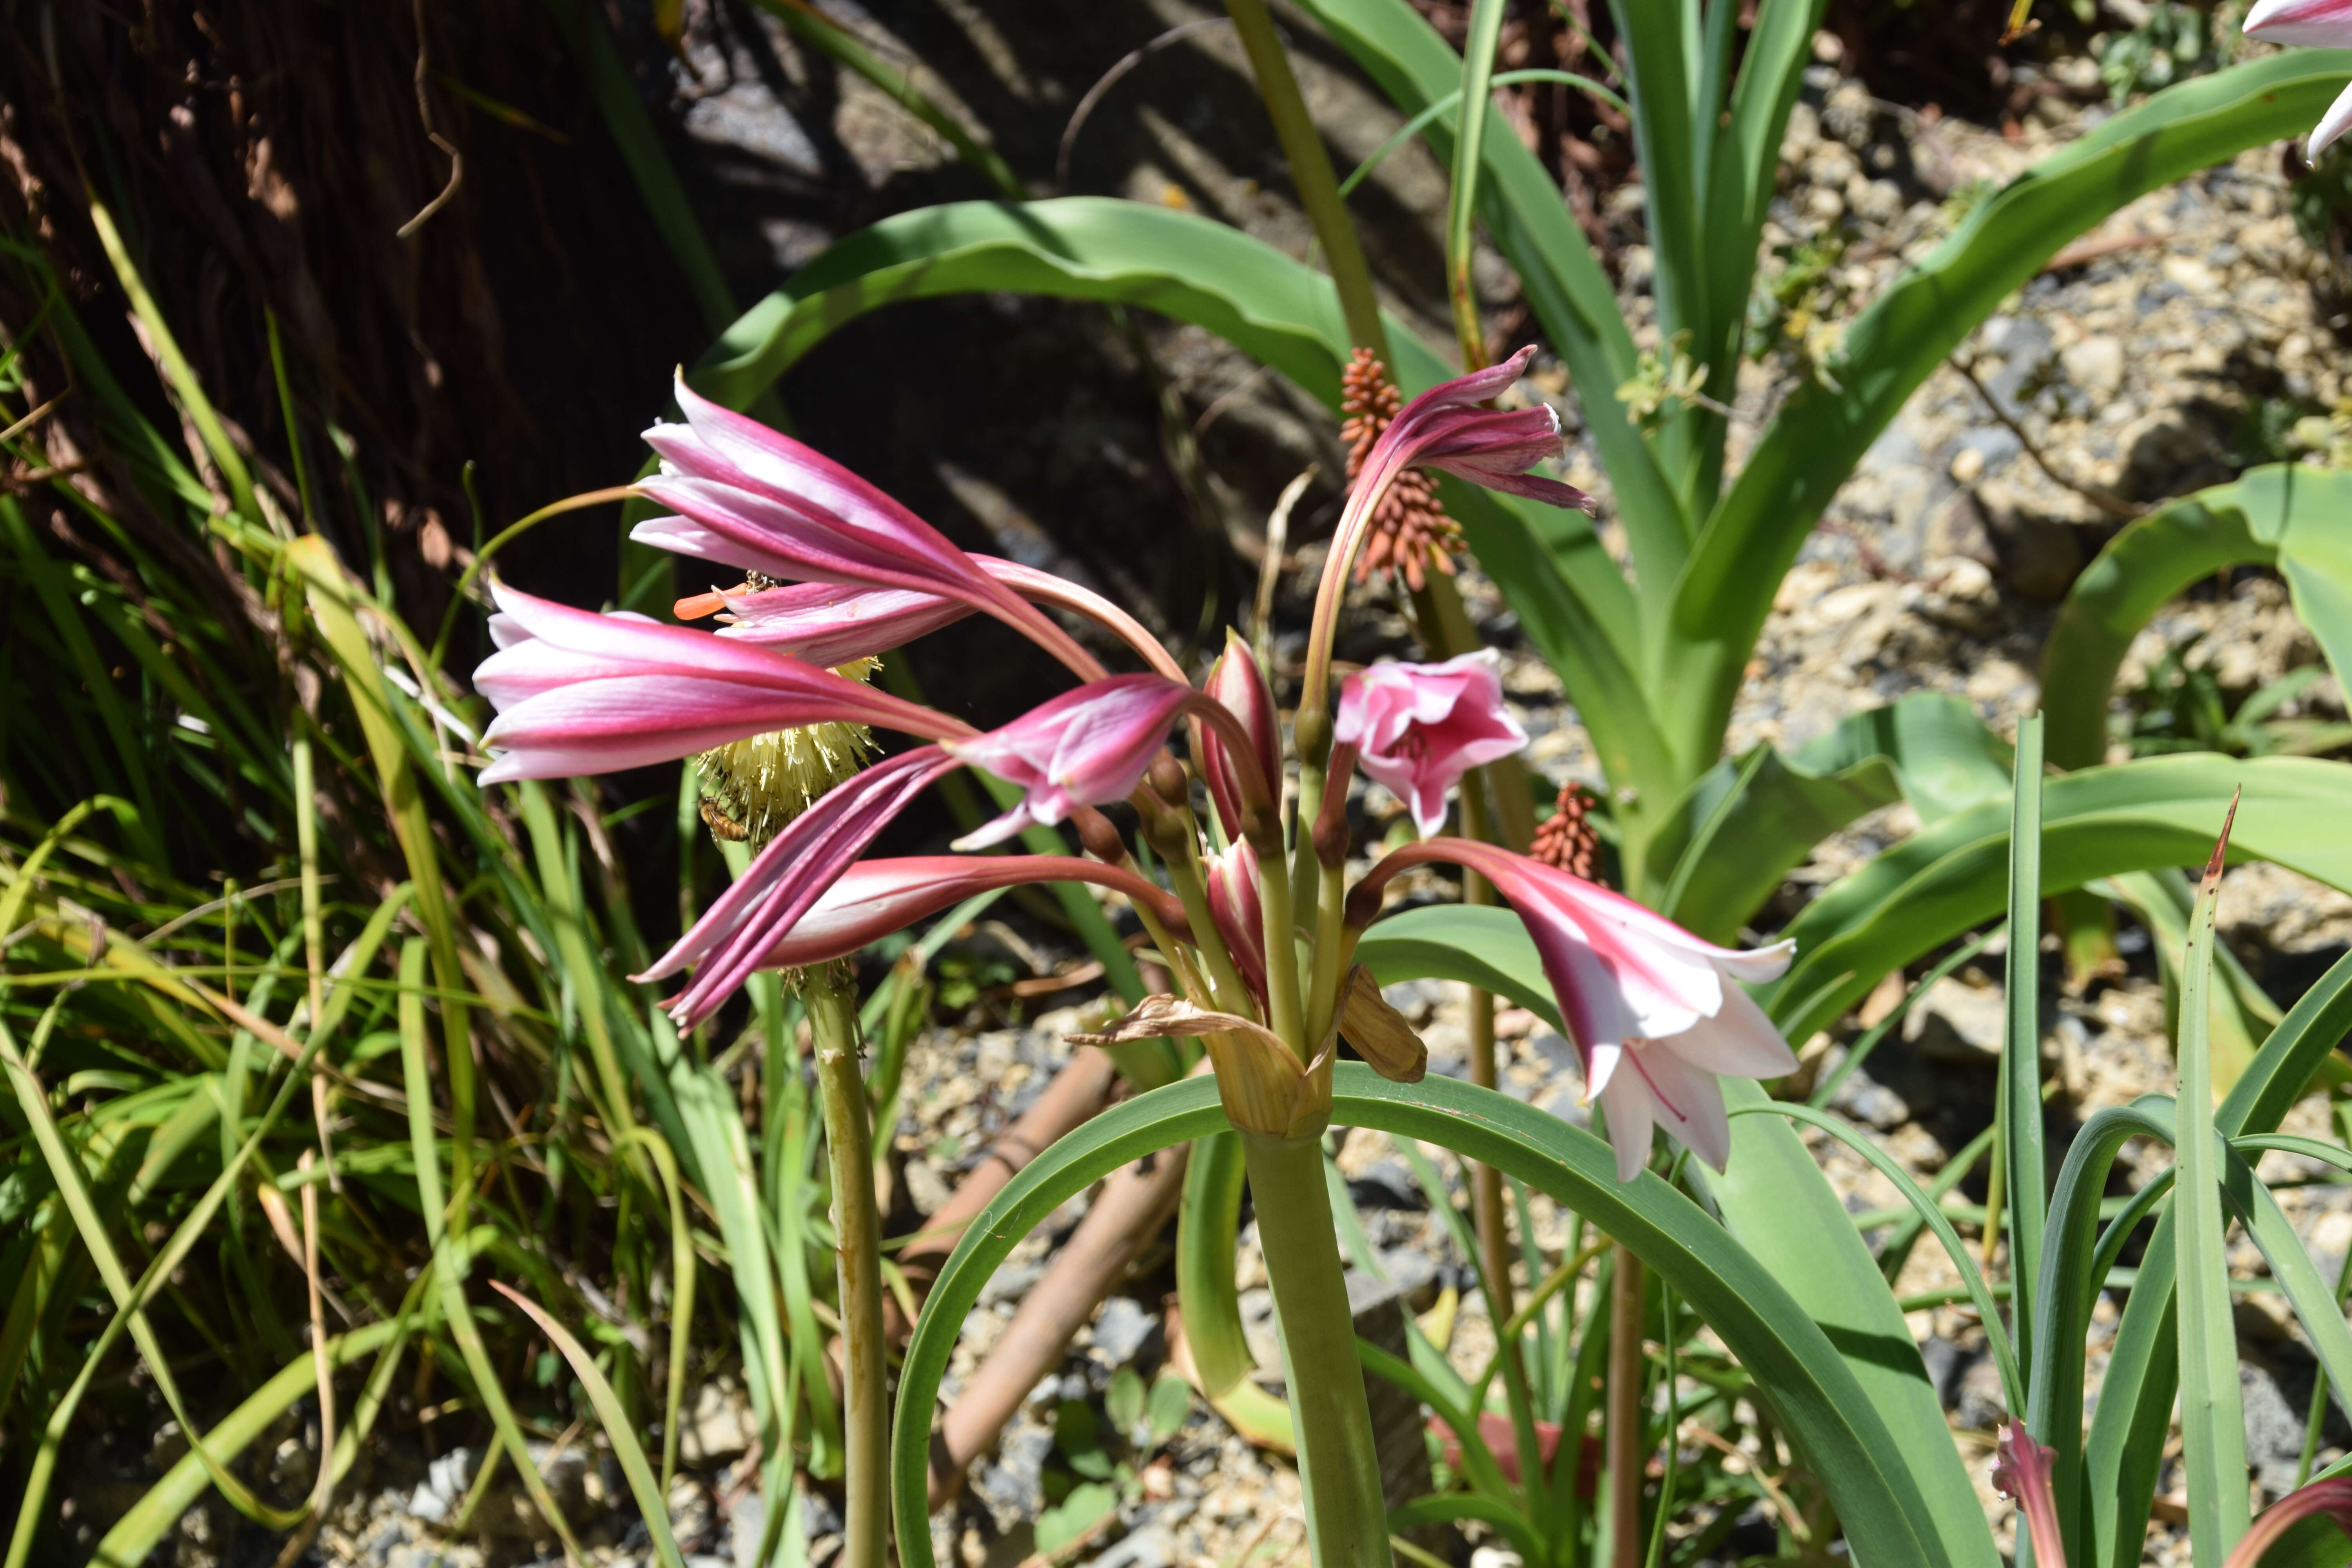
[(1566, 839)]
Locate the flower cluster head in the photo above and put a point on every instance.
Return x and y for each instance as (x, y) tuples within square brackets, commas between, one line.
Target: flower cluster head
[(836, 573)]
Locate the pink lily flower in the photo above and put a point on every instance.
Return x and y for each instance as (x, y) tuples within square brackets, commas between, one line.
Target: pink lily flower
[(787, 878), (2021, 1472), (1240, 915), (2322, 24), (579, 692), (1446, 428), (1087, 747), (1650, 1008), (874, 898), (1417, 728), (1237, 681), (755, 498)]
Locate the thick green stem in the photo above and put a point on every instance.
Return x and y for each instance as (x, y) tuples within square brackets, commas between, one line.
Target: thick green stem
[(1283, 1014), (1627, 1456), (857, 1252), (1485, 1181), (1310, 170), (1347, 1519)]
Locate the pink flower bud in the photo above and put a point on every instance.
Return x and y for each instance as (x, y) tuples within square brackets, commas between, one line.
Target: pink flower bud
[(1417, 728), (1237, 681), (2021, 1472), (1235, 906)]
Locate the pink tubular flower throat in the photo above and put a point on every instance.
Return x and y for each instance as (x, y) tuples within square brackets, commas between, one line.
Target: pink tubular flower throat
[(874, 898), (579, 692), (1651, 1009)]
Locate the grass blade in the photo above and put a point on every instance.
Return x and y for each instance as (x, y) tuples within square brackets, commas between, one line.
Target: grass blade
[(2212, 1413), (450, 1255), (652, 1504)]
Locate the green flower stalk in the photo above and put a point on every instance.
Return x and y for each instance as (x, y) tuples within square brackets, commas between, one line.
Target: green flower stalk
[(752, 789)]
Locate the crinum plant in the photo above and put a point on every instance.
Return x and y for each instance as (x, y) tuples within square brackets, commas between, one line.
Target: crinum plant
[(1651, 651), (1256, 917)]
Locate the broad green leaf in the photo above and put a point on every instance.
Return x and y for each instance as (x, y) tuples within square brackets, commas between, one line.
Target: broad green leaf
[(1928, 748), (1744, 549), (2283, 515), (2096, 823), (1773, 1198), (1814, 1396)]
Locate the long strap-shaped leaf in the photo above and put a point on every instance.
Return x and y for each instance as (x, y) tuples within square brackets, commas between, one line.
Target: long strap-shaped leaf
[(2126, 1445), (2096, 823), (2212, 1411), (2284, 515), (2073, 1272), (1747, 543), (1814, 1396)]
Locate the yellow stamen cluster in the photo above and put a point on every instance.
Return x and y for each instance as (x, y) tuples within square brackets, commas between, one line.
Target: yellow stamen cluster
[(750, 789)]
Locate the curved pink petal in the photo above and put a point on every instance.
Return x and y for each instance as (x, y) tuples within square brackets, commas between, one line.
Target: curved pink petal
[(802, 860), (1089, 746), (830, 624), (1739, 1041)]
